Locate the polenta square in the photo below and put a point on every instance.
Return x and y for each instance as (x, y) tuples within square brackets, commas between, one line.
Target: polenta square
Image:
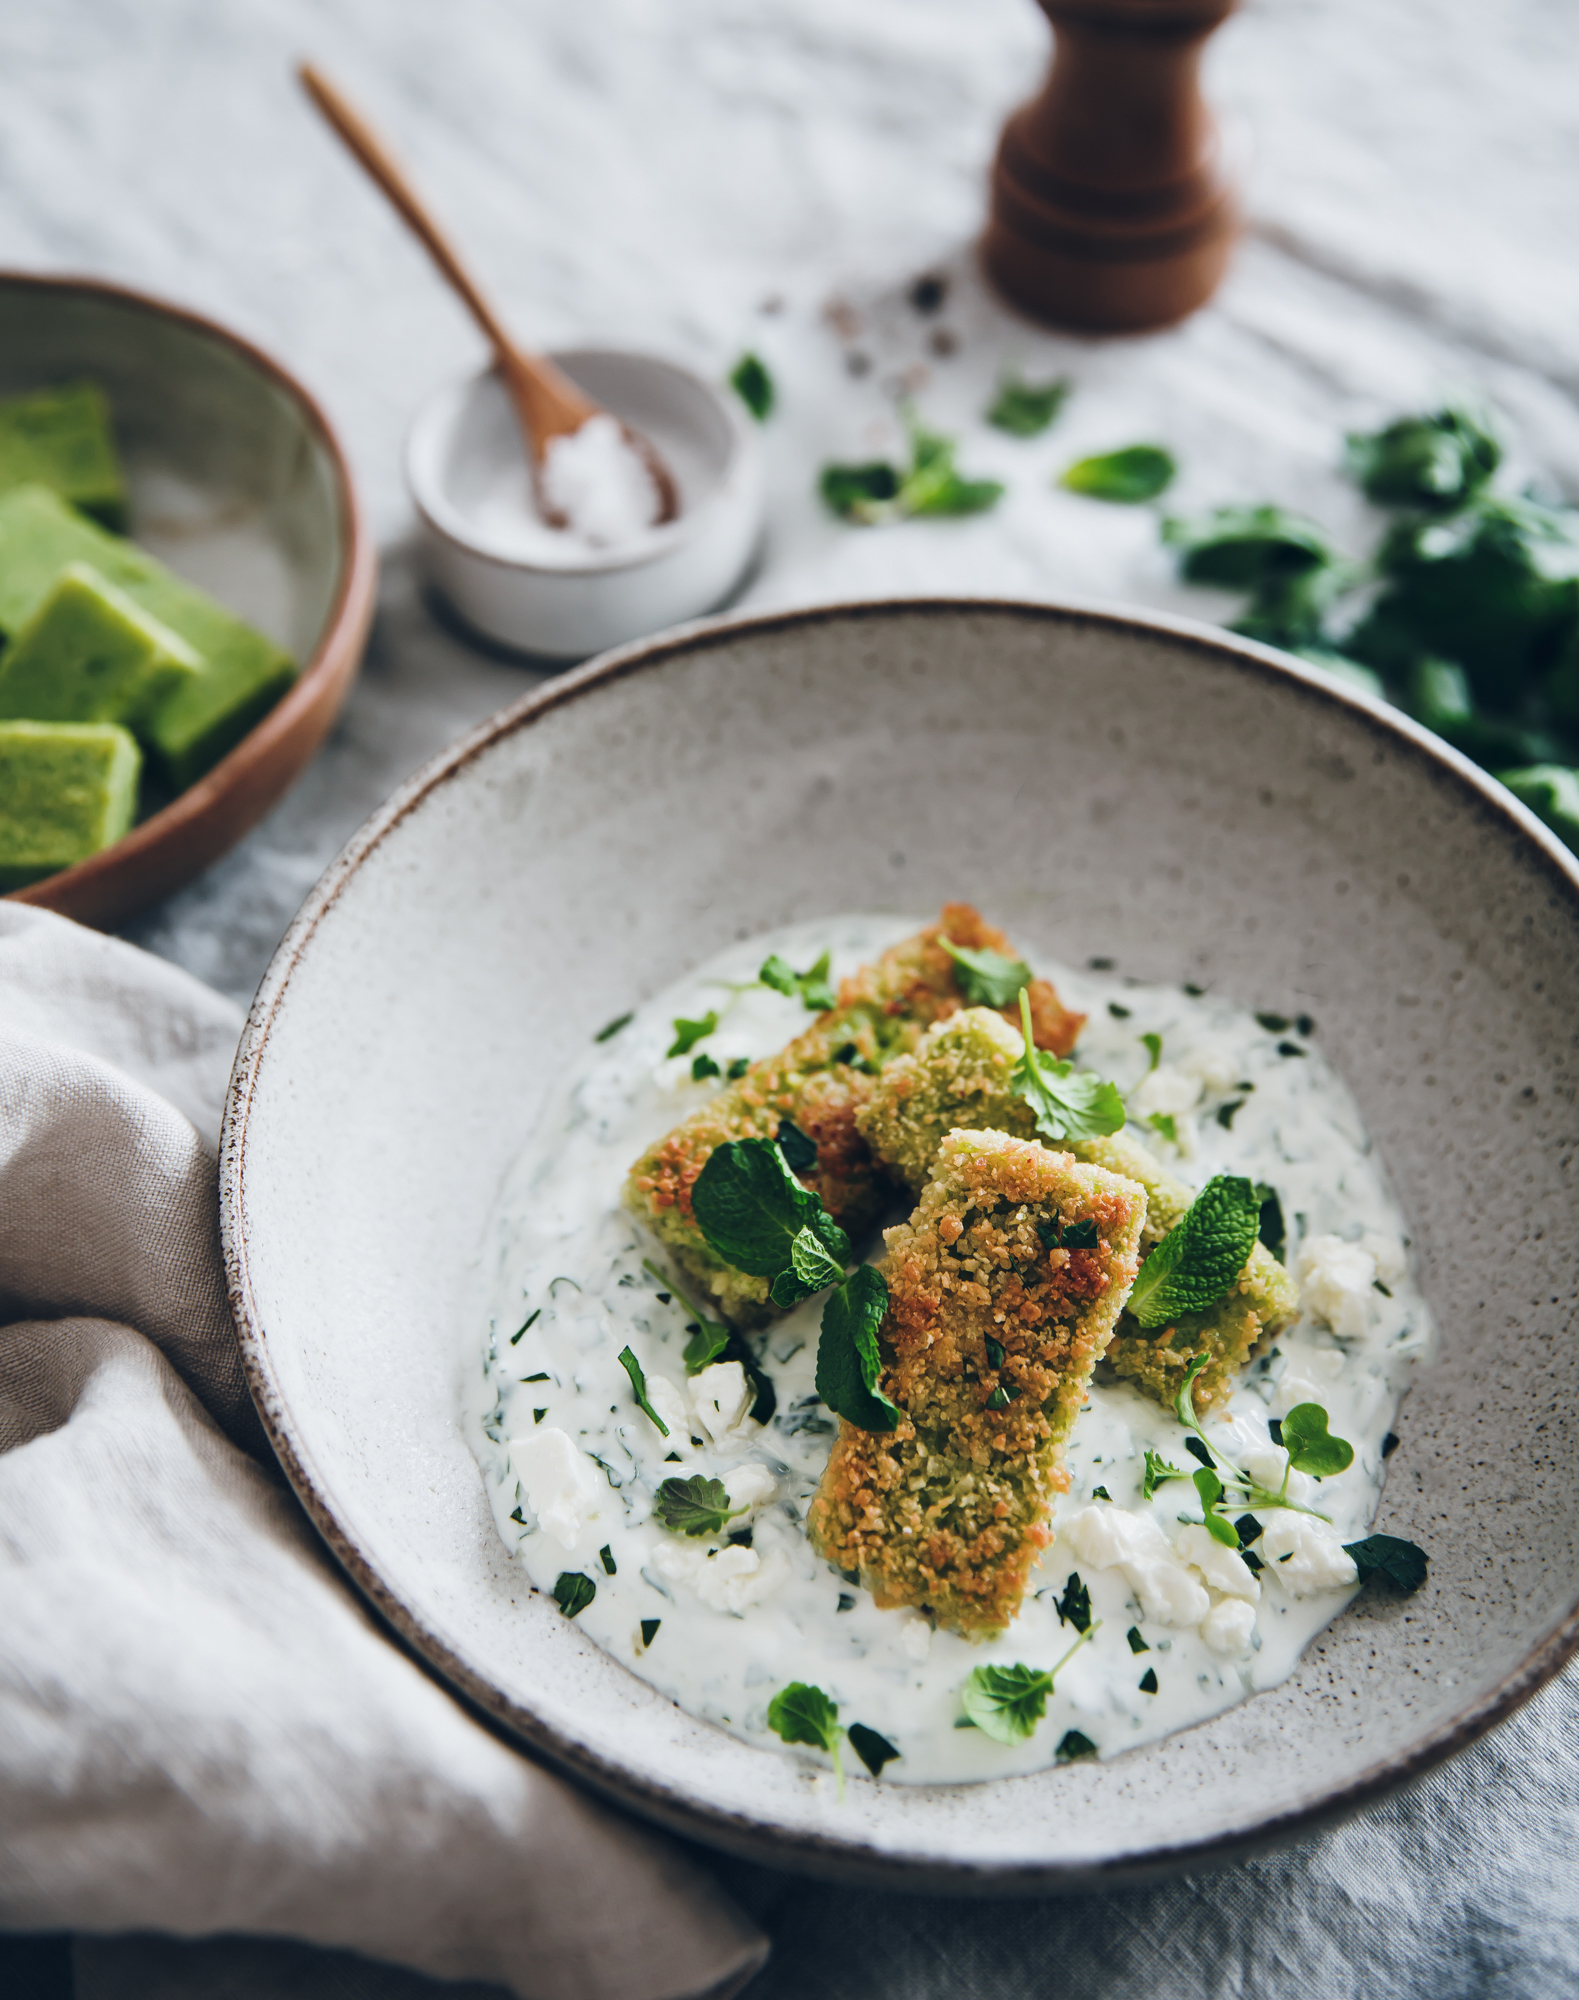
[(992, 1331), (819, 1083), (960, 1076)]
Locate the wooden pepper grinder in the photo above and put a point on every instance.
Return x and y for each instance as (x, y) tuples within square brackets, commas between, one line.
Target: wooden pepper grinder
[(1110, 212)]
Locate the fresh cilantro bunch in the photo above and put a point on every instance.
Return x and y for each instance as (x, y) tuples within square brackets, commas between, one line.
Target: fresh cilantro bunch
[(1006, 1703), (1067, 1103), (877, 491), (1202, 1256)]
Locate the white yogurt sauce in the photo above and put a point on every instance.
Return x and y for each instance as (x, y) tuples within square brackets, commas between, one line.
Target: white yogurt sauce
[(572, 1464)]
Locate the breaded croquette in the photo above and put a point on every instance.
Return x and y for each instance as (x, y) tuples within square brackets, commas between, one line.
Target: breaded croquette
[(959, 1077), (987, 1348), (819, 1082)]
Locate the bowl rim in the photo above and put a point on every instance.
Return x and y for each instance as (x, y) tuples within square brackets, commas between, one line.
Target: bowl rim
[(93, 890), (816, 1852), (437, 417)]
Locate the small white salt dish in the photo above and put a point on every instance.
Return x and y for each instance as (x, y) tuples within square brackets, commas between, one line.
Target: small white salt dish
[(543, 591)]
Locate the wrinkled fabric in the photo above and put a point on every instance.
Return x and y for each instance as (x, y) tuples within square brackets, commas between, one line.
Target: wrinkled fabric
[(201, 1729)]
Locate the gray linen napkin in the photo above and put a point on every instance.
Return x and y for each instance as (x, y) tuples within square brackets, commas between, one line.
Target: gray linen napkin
[(201, 1729)]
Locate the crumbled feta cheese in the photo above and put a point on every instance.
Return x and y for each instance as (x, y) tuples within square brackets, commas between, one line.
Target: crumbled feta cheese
[(727, 1579), (1108, 1537), (749, 1485), (1388, 1252), (1167, 1090), (1216, 1065), (915, 1637), (1304, 1554), (722, 1396), (1336, 1279), (1224, 1568), (1266, 1467), (669, 1402), (562, 1484), (1227, 1628)]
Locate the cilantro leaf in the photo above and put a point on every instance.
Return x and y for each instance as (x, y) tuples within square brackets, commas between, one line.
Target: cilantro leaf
[(1402, 1563), (873, 1750), (574, 1592), (754, 1213), (633, 1369), (688, 1033), (1074, 1607), (1137, 472), (803, 1714), (695, 1506), (800, 1152), (849, 1361), (987, 978), (753, 384), (1202, 1256), (810, 987), (1433, 461), (1309, 1445), (1025, 409), (1006, 1703), (1068, 1104)]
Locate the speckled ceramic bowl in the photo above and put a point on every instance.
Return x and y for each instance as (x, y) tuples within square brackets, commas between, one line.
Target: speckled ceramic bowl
[(1188, 804)]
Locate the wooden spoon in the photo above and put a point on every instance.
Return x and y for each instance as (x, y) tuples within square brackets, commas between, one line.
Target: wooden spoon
[(547, 403)]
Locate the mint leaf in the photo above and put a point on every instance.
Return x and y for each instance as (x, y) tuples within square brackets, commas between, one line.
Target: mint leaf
[(849, 1361), (688, 1033), (1068, 1104), (633, 1369), (800, 1152), (1309, 1445), (1006, 1703), (811, 987), (801, 1713), (1138, 472), (873, 1750), (695, 1506), (1025, 409), (1402, 1563), (574, 1592), (1202, 1256), (987, 978), (1074, 1607), (753, 384), (812, 1269), (752, 1210)]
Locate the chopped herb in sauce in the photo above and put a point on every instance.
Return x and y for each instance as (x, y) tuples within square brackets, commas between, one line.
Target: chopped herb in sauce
[(696, 1506), (649, 1631), (1136, 1643), (873, 1750), (611, 1028), (574, 1592), (638, 1380), (606, 1557), (1148, 1681), (526, 1324), (688, 1033), (1074, 1607), (1400, 1563), (1075, 1743)]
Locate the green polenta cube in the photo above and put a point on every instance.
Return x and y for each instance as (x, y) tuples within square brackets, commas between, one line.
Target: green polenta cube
[(66, 790), (243, 674), (89, 654), (60, 438)]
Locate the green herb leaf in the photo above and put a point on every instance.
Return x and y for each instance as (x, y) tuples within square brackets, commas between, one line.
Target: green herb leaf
[(1309, 1446), (1138, 472), (804, 1714), (525, 1327), (606, 1557), (1158, 1471), (753, 384), (1068, 1104), (1166, 1124), (811, 1270), (702, 1067), (1136, 1643), (1401, 1563), (987, 978), (849, 1360), (1210, 1488), (1153, 1047), (649, 1631), (1148, 1681), (873, 1750), (863, 493), (1100, 1493), (932, 486), (633, 1369), (738, 1068), (1243, 548), (1184, 1401), (708, 1338), (752, 1211), (1074, 1607), (611, 1028), (1074, 1743), (1434, 461), (574, 1592), (695, 1506), (688, 1033), (1270, 1228), (800, 1153), (1006, 1703), (811, 987), (1551, 791), (1026, 409), (1202, 1256)]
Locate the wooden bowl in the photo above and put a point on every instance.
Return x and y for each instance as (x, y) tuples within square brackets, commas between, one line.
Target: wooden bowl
[(239, 483)]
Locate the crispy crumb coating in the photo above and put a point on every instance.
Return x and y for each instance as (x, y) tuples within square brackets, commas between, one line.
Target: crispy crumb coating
[(819, 1082), (959, 1077), (948, 1512)]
